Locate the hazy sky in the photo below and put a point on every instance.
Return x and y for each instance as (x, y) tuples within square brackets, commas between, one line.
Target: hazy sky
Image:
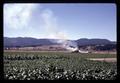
[(67, 21)]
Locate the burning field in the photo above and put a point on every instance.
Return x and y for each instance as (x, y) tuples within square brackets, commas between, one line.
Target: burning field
[(65, 61), (42, 42)]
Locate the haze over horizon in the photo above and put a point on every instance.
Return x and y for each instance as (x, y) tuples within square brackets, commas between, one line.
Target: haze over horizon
[(67, 21), (60, 39)]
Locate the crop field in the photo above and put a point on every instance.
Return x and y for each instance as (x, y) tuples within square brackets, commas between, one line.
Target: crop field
[(58, 66)]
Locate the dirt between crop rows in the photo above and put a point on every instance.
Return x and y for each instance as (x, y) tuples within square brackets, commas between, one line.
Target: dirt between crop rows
[(104, 59)]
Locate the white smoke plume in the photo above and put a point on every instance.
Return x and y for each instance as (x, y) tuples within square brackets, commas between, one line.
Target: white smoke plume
[(52, 27), (26, 17), (17, 13)]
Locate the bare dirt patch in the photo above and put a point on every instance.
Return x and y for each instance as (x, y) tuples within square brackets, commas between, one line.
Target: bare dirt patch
[(104, 59)]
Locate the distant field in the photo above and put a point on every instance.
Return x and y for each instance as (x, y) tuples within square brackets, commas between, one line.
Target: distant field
[(58, 65), (60, 53)]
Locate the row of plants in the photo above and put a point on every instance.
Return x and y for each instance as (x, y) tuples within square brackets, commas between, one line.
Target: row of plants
[(56, 66), (54, 73)]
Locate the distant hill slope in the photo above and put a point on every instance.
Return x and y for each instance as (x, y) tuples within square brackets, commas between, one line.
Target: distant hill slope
[(20, 41), (28, 41), (85, 41)]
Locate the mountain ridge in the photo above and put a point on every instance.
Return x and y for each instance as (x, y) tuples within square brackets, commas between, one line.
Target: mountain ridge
[(30, 41)]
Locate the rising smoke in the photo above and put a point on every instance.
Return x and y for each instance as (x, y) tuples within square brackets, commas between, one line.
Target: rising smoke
[(52, 27), (25, 16)]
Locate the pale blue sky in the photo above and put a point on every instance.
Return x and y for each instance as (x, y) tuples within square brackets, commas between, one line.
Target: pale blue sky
[(70, 21)]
